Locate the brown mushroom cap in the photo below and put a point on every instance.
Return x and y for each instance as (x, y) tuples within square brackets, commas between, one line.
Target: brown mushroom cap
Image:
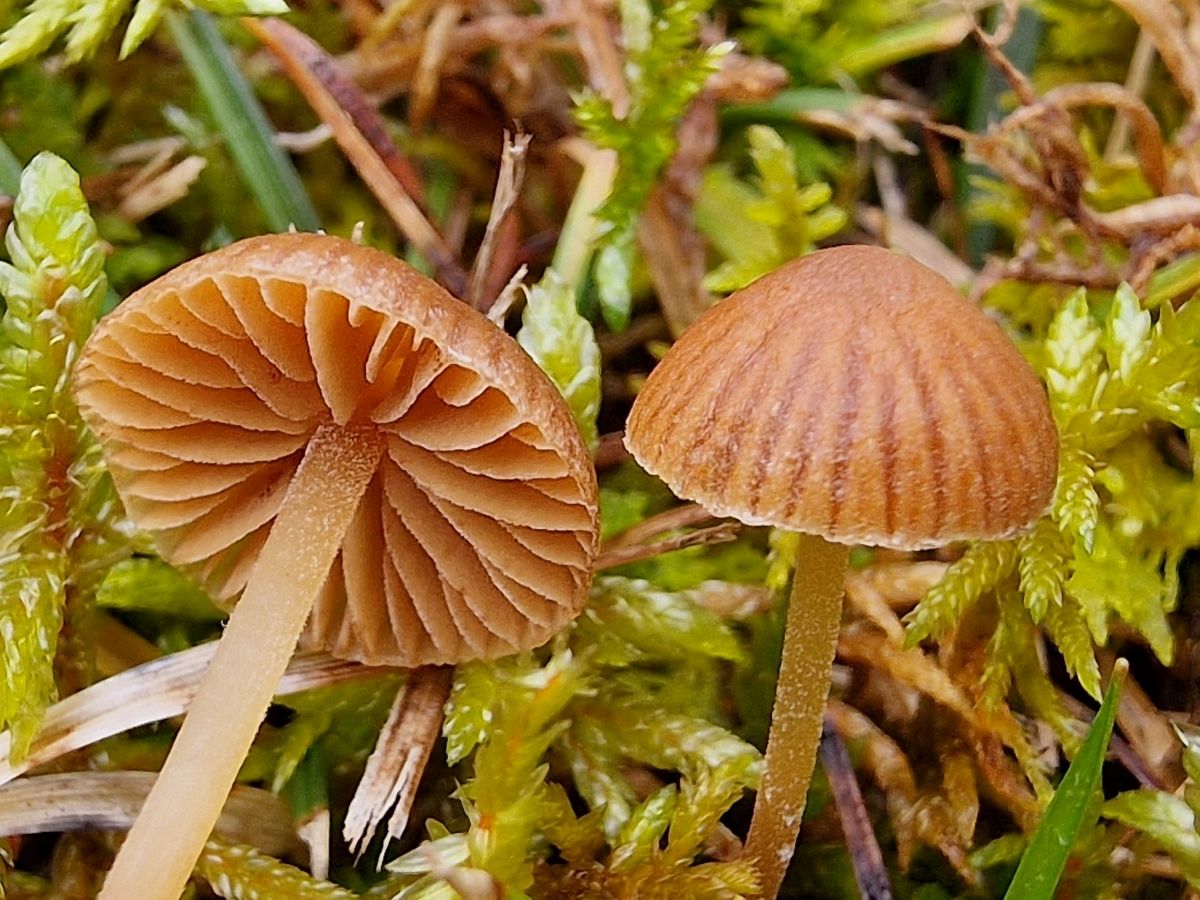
[(851, 394), (476, 535)]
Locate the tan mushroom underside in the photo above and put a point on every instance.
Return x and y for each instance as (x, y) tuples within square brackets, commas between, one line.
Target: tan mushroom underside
[(475, 535), (315, 426)]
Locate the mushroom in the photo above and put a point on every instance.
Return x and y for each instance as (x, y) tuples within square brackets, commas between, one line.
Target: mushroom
[(314, 426), (854, 396)]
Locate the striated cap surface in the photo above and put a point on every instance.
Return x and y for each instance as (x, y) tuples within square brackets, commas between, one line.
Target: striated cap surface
[(852, 394), (477, 532)]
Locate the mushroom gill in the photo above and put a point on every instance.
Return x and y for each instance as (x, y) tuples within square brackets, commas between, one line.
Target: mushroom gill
[(473, 537)]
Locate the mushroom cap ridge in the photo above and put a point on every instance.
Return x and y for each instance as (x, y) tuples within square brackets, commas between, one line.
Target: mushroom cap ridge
[(855, 395), (476, 535)]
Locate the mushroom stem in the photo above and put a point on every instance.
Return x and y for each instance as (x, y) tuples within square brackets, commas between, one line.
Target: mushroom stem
[(161, 850), (809, 643)]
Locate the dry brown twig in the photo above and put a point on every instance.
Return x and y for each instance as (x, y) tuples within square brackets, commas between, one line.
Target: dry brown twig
[(1066, 271), (619, 556), (1009, 10), (1144, 263), (1050, 166), (363, 137), (1147, 136), (688, 515), (865, 855)]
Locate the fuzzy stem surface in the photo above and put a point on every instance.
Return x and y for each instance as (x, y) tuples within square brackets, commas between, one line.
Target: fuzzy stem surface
[(809, 643), (166, 839)]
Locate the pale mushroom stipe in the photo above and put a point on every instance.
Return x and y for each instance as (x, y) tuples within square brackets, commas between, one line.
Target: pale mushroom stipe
[(854, 396), (315, 427)]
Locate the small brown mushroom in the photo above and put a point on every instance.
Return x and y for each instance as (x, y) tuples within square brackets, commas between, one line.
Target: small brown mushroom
[(314, 426), (854, 396)]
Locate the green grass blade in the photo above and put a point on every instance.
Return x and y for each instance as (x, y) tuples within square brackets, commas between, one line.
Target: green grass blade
[(266, 171), (1046, 856), (905, 42), (1176, 278), (10, 170), (308, 788)]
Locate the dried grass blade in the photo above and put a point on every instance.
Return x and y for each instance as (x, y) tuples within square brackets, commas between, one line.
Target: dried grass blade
[(361, 134), (902, 233), (160, 192), (150, 693), (1150, 732), (593, 35), (396, 764), (110, 801), (437, 35)]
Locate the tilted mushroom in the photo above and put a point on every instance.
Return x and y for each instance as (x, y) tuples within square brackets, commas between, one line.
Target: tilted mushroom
[(314, 426), (854, 396)]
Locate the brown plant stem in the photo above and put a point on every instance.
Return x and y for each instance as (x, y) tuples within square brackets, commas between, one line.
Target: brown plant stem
[(689, 515), (865, 855), (620, 556), (161, 849), (1164, 24), (363, 137), (809, 642)]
